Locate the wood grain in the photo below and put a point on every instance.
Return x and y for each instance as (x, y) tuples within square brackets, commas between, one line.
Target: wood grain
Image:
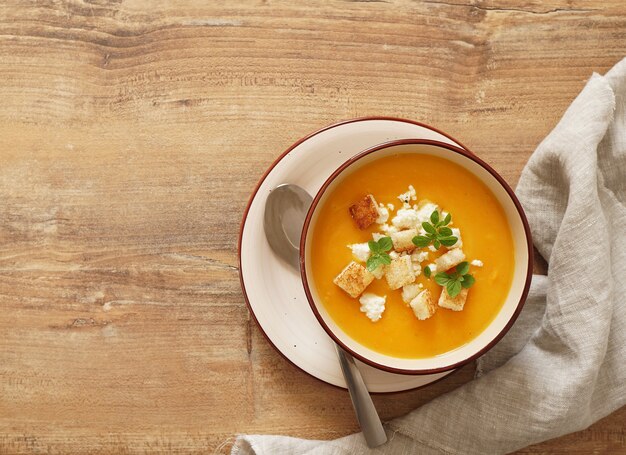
[(132, 133)]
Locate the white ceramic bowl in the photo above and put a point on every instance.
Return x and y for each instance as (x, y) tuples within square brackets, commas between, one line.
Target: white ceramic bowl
[(522, 250)]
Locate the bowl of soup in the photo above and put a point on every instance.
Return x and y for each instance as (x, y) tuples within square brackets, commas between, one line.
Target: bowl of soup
[(416, 256)]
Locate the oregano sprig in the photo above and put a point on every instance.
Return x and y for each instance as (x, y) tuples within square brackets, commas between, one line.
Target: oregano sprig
[(437, 232), (456, 280), (378, 253)]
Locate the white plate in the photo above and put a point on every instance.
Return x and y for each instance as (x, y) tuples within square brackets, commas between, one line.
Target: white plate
[(273, 290)]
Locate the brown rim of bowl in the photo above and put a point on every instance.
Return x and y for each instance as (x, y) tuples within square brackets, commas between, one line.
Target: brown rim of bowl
[(478, 161), (253, 195)]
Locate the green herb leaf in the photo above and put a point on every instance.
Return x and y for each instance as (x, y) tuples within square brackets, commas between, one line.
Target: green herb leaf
[(429, 228), (372, 263), (378, 254), (442, 279), (437, 244), (462, 268), (453, 287), (448, 241), (427, 272), (374, 248), (434, 217), (384, 258), (468, 281), (445, 232), (421, 241), (447, 219), (385, 244)]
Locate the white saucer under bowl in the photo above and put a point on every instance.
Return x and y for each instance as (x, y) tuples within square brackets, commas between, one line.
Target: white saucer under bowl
[(273, 291)]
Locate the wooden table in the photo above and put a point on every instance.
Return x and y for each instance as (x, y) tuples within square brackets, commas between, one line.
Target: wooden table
[(134, 131)]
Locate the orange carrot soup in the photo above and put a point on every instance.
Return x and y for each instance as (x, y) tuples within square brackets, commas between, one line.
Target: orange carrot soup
[(414, 255)]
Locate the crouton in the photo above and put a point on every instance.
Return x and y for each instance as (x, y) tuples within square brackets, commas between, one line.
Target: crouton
[(354, 279), (364, 212), (453, 303), (409, 292), (423, 305), (400, 272), (450, 259), (403, 240)]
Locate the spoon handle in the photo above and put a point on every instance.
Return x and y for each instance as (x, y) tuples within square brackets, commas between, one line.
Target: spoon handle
[(366, 414)]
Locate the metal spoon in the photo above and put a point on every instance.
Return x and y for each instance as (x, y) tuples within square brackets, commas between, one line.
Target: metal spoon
[(285, 210)]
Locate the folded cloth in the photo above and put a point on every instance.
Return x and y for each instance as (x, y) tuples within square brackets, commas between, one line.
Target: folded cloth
[(563, 364)]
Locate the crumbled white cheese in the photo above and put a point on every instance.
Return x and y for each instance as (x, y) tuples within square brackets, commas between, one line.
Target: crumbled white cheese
[(405, 219), (388, 229), (477, 263), (409, 292), (417, 269), (377, 236), (432, 248), (433, 268), (391, 207), (383, 214), (419, 256), (394, 255), (456, 232), (420, 285), (373, 305), (410, 195), (360, 251), (423, 214)]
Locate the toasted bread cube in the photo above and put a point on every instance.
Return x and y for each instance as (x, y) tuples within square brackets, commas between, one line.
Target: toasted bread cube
[(423, 305), (409, 292), (400, 272), (453, 303), (353, 279), (403, 240), (364, 212), (450, 259)]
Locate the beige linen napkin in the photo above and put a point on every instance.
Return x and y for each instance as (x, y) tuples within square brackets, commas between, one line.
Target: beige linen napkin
[(563, 365)]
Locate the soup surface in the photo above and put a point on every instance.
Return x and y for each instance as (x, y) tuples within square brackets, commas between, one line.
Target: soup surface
[(485, 234)]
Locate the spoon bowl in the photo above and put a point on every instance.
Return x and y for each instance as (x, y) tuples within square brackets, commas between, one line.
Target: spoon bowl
[(285, 212)]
